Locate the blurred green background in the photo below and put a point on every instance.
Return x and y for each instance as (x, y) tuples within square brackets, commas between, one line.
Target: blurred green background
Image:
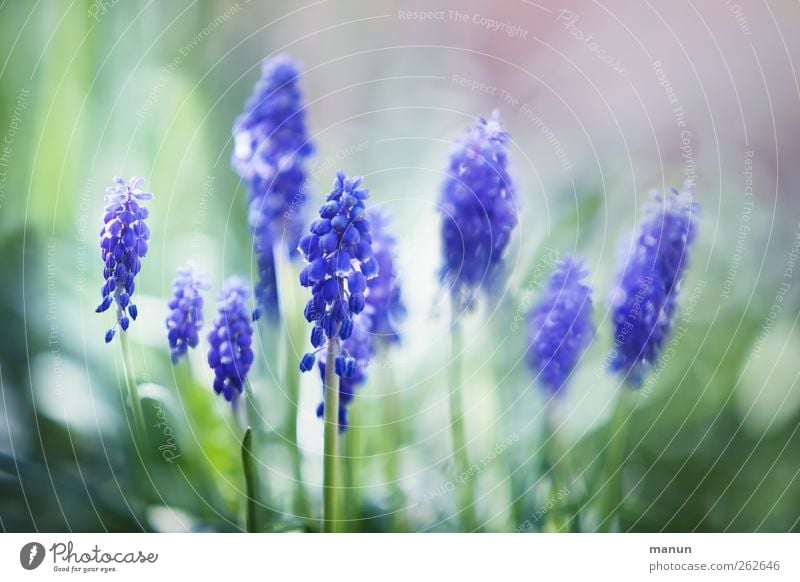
[(90, 89)]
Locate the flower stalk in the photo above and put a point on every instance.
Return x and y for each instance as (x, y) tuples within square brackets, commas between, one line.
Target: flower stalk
[(457, 430), (612, 497), (251, 481), (140, 430), (331, 441)]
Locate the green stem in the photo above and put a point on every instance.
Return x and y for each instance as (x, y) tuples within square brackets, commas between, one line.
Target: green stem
[(394, 434), (291, 376), (457, 430), (331, 444), (133, 391), (292, 386), (352, 454), (617, 444), (554, 459), (251, 481)]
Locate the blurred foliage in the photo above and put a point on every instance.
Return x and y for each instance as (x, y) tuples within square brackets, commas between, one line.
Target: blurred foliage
[(713, 441)]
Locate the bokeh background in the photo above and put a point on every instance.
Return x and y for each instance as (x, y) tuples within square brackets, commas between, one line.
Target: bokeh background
[(604, 102)]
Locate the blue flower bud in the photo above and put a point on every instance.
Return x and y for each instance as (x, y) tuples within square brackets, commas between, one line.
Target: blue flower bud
[(370, 268), (357, 303), (105, 304), (339, 365), (307, 362), (346, 329), (356, 282), (349, 367), (329, 324)]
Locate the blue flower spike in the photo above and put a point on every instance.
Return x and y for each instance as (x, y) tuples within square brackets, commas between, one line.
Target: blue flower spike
[(479, 211), (123, 244), (339, 266), (230, 354), (644, 301), (384, 303), (270, 152), (560, 324), (185, 319)]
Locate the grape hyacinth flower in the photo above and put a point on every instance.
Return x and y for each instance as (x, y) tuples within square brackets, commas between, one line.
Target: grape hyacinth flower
[(270, 152), (340, 260), (186, 311), (338, 252), (479, 210), (560, 324), (359, 346), (123, 243), (644, 301), (385, 306), (230, 354)]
